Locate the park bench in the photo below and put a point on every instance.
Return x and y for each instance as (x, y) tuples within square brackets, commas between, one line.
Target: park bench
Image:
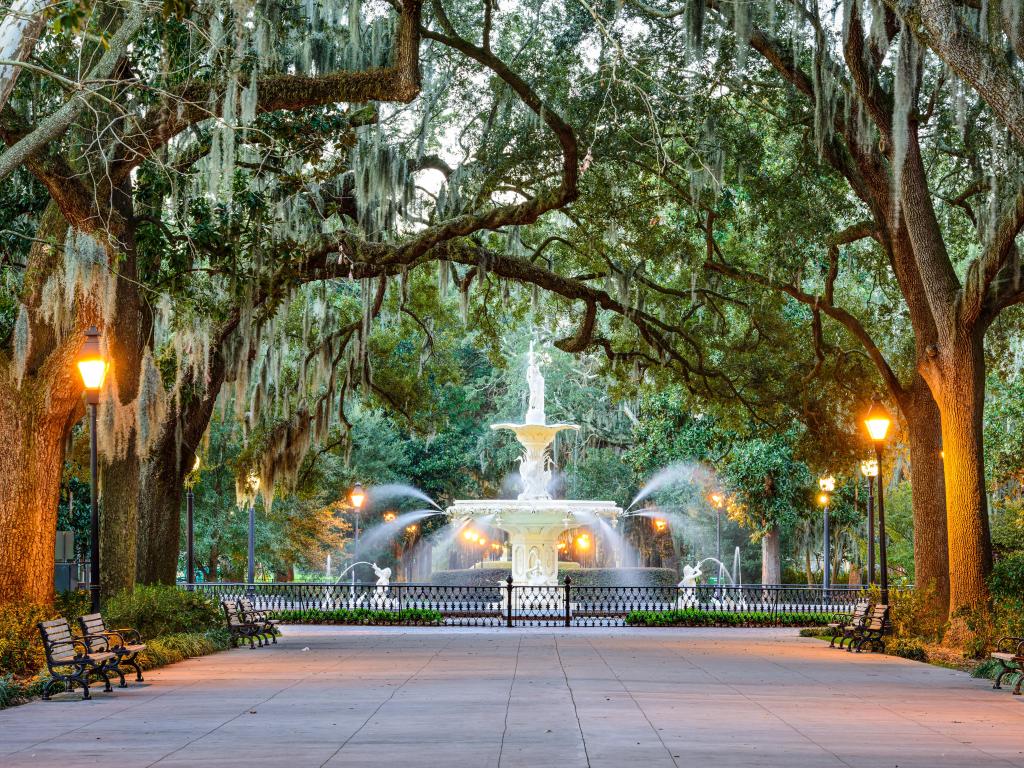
[(260, 618), (70, 660), (872, 631), (238, 626), (843, 630), (1009, 653), (126, 643)]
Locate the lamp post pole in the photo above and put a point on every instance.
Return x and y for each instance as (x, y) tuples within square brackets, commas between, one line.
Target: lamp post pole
[(882, 559), (826, 580), (877, 422), (251, 572), (190, 559), (871, 530), (93, 369), (94, 507)]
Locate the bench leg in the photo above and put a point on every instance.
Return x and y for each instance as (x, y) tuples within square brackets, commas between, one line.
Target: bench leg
[(1003, 669), (102, 670), (132, 662), (1020, 681)]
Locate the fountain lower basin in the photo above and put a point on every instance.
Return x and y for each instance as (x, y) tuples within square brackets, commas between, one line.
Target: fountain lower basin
[(533, 527)]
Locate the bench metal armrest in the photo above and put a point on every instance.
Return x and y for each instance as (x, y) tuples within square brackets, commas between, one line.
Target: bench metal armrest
[(1010, 644), (125, 635), (101, 637)]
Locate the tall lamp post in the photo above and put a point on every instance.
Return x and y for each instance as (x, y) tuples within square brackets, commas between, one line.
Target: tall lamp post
[(877, 421), (356, 497), (869, 468), (254, 487), (93, 368), (826, 485), (718, 502), (190, 505)]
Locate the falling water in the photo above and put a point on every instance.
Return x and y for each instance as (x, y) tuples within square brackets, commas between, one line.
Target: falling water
[(379, 493), (673, 475), (380, 534)]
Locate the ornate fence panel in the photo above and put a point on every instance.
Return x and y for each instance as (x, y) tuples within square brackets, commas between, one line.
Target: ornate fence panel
[(507, 604)]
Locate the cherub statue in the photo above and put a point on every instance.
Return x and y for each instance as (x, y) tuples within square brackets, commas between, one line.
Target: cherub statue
[(383, 576)]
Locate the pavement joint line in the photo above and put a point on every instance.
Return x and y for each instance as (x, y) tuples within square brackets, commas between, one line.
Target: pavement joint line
[(390, 696), (883, 707), (247, 708), (572, 697), (632, 698), (61, 736), (508, 701), (775, 714)]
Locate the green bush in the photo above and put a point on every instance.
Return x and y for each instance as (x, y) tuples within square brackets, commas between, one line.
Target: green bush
[(360, 616), (157, 610), (907, 647), (169, 649), (1007, 579), (695, 617)]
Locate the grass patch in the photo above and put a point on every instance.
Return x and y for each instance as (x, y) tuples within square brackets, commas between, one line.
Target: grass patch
[(694, 617)]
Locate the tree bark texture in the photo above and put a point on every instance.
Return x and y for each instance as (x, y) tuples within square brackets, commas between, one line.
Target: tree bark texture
[(771, 561)]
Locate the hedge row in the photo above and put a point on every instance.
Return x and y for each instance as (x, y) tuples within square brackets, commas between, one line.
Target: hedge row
[(694, 617), (359, 616), (581, 577)]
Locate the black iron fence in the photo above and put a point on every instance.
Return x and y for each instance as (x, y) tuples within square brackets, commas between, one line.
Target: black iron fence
[(508, 604)]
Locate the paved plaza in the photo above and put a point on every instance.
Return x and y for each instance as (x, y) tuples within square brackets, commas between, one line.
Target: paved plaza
[(381, 697)]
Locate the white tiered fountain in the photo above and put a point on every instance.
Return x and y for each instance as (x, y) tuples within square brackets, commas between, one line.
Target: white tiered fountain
[(534, 521)]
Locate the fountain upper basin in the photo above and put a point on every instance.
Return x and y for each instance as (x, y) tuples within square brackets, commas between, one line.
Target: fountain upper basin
[(534, 512)]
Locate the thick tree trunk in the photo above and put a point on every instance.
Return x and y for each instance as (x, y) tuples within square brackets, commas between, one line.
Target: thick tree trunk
[(931, 548), (31, 460), (771, 562), (957, 377), (119, 479), (35, 419)]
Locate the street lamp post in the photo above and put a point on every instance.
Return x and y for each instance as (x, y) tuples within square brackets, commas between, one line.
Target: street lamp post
[(869, 468), (190, 503), (93, 368), (826, 485), (254, 487), (357, 497), (877, 422), (718, 501)]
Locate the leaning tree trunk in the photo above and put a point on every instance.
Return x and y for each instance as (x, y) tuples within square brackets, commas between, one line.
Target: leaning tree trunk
[(931, 548), (163, 477), (957, 377), (771, 562)]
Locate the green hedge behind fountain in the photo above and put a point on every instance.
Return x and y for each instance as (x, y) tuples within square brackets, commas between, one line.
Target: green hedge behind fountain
[(581, 577)]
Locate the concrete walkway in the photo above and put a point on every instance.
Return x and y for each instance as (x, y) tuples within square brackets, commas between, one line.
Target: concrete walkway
[(333, 696)]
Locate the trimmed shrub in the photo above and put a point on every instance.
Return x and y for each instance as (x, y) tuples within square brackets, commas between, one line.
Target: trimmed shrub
[(695, 617), (423, 616), (157, 610), (907, 647)]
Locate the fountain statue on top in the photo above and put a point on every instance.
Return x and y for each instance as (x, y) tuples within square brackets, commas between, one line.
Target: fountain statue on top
[(535, 435), (534, 521)]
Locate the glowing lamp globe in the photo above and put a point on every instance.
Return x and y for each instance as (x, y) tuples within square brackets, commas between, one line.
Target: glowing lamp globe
[(877, 421), (823, 499), (357, 496), (869, 468), (827, 484), (91, 365)]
